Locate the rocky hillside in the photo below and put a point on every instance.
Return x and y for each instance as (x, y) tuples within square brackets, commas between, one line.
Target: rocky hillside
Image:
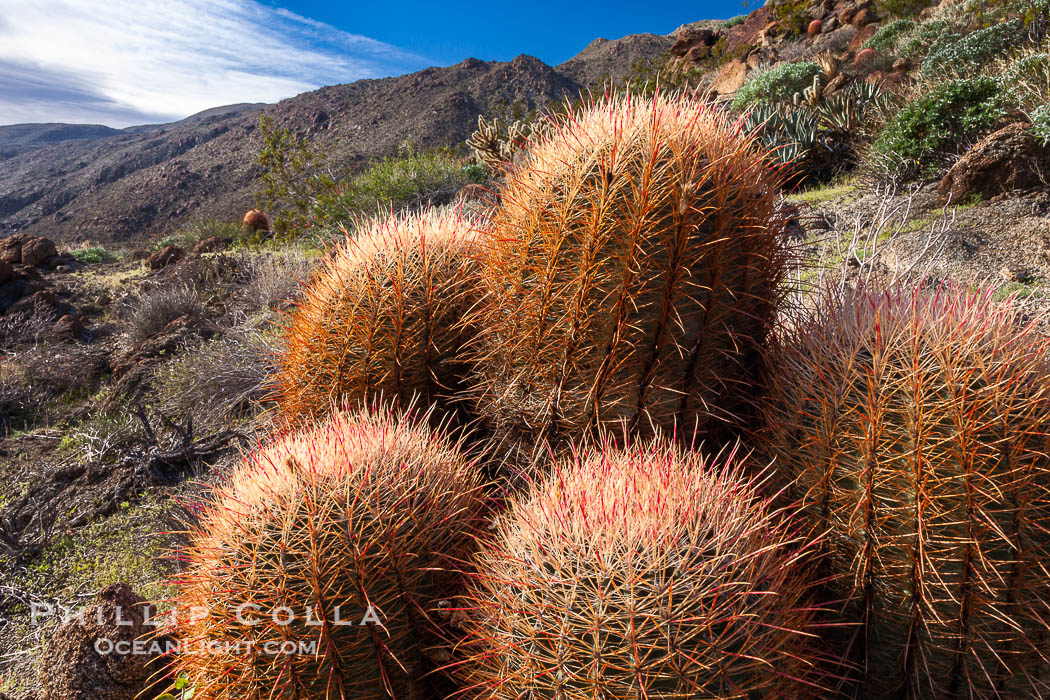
[(146, 183)]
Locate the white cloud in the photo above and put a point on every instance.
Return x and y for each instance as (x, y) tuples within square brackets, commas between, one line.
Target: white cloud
[(122, 62)]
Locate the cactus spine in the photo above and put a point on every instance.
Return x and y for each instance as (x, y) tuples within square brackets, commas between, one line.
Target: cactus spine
[(631, 274), (645, 573), (357, 520), (912, 427), (382, 317)]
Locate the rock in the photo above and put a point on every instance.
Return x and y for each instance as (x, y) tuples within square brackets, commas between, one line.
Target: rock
[(11, 292), (7, 272), (690, 39), (71, 665), (212, 244), (730, 78), (746, 33), (861, 37), (901, 65), (36, 251), (1009, 159), (815, 27), (698, 53), (165, 256), (68, 326), (863, 18), (835, 84), (11, 248), (830, 25), (33, 301), (865, 57), (889, 81), (846, 16), (255, 220)]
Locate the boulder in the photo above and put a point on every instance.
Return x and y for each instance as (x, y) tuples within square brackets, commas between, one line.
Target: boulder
[(7, 272), (690, 39), (36, 251), (72, 665), (1009, 159), (863, 18), (746, 33), (68, 326), (730, 78), (212, 244), (861, 37), (11, 249), (165, 256)]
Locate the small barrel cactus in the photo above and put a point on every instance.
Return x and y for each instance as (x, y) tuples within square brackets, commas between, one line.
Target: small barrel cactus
[(912, 426), (317, 570), (643, 573), (381, 318), (631, 274)]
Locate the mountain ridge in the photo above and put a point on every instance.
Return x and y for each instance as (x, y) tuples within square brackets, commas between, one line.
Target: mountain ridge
[(146, 183)]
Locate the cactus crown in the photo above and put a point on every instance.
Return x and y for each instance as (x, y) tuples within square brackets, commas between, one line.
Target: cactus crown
[(631, 274), (382, 317), (639, 573), (912, 427), (360, 516)]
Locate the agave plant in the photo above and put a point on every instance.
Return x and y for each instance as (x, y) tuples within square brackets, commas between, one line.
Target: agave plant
[(789, 134)]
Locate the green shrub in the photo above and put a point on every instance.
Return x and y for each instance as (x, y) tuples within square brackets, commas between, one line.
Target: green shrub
[(972, 52), (93, 255), (902, 8), (917, 42), (411, 179), (793, 15), (732, 22), (778, 84), (1041, 124), (886, 38), (1027, 81), (939, 121)]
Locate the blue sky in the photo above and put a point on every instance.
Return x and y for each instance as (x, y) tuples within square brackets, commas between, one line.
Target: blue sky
[(124, 62)]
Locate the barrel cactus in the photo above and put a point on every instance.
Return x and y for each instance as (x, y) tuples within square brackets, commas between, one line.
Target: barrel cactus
[(630, 276), (911, 426), (318, 569), (641, 573), (381, 318)]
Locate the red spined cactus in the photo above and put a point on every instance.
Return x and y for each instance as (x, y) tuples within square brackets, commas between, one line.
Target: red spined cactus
[(912, 426), (645, 573), (631, 275), (382, 317), (317, 570)]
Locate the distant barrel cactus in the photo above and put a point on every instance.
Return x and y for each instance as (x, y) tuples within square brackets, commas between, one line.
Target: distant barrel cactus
[(255, 221), (631, 275), (644, 573), (382, 317), (316, 571), (912, 426)]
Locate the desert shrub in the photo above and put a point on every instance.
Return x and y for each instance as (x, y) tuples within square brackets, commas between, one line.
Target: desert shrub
[(364, 518), (732, 21), (27, 327), (778, 84), (917, 42), (793, 15), (1027, 80), (93, 255), (902, 8), (1041, 124), (148, 314), (275, 277), (886, 39), (941, 121), (409, 180), (219, 381), (33, 379), (910, 425), (643, 573), (969, 54), (291, 177)]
